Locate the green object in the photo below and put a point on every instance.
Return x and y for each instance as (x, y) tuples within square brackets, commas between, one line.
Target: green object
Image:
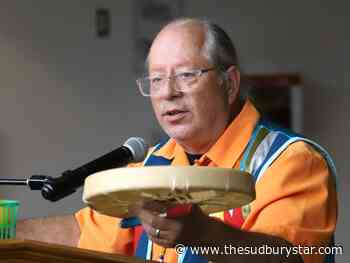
[(8, 218)]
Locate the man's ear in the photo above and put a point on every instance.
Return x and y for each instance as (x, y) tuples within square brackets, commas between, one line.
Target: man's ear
[(233, 83)]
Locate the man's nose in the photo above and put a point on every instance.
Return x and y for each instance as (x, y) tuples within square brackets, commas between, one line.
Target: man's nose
[(170, 88)]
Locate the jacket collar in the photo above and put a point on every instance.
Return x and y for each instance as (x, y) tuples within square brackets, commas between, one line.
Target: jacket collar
[(228, 149)]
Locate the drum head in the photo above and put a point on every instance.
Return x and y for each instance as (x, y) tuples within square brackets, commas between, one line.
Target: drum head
[(213, 189)]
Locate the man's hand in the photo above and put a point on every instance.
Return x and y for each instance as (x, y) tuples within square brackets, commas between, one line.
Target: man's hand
[(166, 231), (198, 229)]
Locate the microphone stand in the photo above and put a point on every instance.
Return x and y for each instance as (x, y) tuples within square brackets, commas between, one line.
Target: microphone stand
[(13, 181), (52, 189)]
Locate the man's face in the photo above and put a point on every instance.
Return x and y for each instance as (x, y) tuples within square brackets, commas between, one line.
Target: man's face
[(198, 115)]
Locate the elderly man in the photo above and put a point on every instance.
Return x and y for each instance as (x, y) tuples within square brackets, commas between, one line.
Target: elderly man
[(193, 83)]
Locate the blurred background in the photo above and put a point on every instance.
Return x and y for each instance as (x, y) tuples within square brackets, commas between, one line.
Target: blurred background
[(68, 70)]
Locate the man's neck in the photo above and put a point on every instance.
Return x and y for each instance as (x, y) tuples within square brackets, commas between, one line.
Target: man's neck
[(236, 109)]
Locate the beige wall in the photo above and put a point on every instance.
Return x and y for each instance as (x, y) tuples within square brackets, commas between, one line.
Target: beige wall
[(67, 97)]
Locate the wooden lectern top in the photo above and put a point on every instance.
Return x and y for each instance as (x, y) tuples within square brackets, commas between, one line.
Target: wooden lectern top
[(28, 251)]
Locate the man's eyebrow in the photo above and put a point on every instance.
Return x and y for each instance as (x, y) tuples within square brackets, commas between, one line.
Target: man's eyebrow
[(157, 73), (162, 67), (181, 68), (176, 71)]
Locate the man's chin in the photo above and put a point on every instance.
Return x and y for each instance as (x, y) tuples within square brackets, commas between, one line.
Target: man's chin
[(180, 135)]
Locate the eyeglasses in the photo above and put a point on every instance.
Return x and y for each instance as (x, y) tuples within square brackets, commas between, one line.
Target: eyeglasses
[(152, 86)]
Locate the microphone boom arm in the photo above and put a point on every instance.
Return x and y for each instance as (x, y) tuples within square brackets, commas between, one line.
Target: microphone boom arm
[(54, 189)]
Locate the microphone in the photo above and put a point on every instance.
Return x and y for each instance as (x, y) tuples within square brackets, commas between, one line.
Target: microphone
[(133, 150)]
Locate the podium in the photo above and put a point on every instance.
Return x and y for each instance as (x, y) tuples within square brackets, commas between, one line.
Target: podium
[(28, 251)]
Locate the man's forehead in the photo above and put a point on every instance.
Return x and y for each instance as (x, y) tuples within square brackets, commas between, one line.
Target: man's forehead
[(193, 31), (180, 46)]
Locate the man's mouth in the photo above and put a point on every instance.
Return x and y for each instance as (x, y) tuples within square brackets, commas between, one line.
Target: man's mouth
[(174, 115), (173, 112)]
